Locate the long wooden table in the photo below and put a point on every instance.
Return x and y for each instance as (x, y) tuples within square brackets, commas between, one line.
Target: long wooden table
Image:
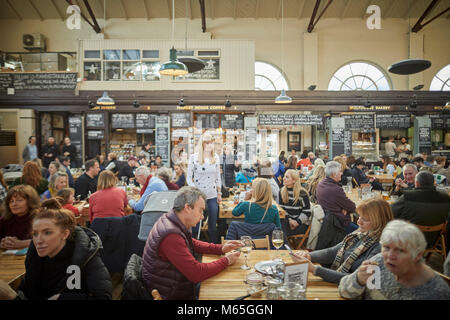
[(12, 269), (229, 284), (383, 178)]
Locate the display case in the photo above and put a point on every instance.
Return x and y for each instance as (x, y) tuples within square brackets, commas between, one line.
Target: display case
[(367, 150)]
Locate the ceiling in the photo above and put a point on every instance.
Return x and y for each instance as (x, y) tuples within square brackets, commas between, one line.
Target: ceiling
[(214, 9)]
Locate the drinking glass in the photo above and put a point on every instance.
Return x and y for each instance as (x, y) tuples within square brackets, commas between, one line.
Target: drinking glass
[(246, 249), (277, 241)]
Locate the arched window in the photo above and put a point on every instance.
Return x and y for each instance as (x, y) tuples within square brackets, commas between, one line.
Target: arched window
[(268, 77), (359, 76), (441, 81)]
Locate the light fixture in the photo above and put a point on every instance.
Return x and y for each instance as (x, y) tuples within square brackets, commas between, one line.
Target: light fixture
[(312, 87), (282, 98), (181, 102), (91, 105), (105, 100), (173, 67), (119, 129), (418, 87), (136, 104), (228, 103), (447, 104), (413, 104), (367, 104)]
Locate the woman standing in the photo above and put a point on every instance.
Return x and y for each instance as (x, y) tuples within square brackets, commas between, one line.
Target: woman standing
[(58, 181), (15, 225), (58, 246), (31, 175), (295, 201), (204, 174), (145, 152)]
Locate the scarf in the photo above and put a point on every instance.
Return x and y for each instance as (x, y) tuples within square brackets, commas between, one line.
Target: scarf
[(145, 185), (367, 241)]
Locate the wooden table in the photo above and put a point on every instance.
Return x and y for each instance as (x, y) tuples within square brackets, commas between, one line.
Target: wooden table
[(383, 178), (12, 269), (227, 205), (229, 284)]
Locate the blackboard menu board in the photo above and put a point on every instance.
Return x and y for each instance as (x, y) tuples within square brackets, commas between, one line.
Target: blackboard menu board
[(348, 142), (360, 122), (145, 121), (232, 121), (424, 136), (337, 138), (181, 120), (393, 121), (95, 120), (7, 138), (208, 121), (76, 136), (162, 138), (440, 121), (95, 134), (39, 81), (124, 121), (290, 119)]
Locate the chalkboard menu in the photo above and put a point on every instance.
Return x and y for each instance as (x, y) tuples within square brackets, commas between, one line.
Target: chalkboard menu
[(95, 120), (162, 138), (181, 120), (440, 121), (95, 135), (424, 136), (76, 136), (290, 119), (337, 138), (393, 121), (208, 120), (7, 138), (348, 142), (124, 121), (232, 121), (360, 122), (145, 121), (39, 81)]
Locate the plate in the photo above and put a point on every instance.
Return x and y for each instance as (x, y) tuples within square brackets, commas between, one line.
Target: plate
[(265, 267)]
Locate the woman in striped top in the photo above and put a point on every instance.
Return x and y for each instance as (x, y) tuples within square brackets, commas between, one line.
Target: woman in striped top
[(295, 202)]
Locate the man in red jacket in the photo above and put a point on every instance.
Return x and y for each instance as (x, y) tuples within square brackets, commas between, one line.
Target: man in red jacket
[(168, 261)]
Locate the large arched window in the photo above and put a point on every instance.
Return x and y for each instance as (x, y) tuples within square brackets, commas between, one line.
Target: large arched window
[(359, 76), (441, 81), (268, 77)]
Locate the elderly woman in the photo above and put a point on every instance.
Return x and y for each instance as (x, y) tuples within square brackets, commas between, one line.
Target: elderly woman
[(31, 175), (347, 256), (15, 224), (346, 173), (58, 246), (401, 273), (108, 200), (164, 174), (317, 162), (58, 181)]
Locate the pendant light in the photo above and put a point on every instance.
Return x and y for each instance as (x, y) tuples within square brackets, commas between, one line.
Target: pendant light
[(173, 67), (282, 98), (105, 100)]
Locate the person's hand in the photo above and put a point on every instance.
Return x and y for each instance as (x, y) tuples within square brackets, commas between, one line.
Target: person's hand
[(232, 257), (66, 153), (10, 243), (298, 258), (231, 245), (303, 254), (293, 224), (136, 190), (248, 195), (363, 274), (6, 292), (219, 198), (344, 212), (50, 155)]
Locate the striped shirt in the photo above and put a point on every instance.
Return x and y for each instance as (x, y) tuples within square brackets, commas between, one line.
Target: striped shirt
[(300, 211)]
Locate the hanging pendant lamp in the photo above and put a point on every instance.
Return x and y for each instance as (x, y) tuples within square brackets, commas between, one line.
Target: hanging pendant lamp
[(173, 67), (105, 100), (282, 98)]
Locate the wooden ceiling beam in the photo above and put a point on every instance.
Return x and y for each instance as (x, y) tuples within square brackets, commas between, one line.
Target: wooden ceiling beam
[(95, 27), (418, 26), (202, 11), (313, 23), (91, 13)]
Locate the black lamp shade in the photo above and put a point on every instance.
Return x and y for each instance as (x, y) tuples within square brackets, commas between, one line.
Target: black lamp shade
[(193, 64), (409, 66)]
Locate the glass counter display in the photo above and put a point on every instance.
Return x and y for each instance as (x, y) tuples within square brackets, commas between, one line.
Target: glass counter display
[(368, 150)]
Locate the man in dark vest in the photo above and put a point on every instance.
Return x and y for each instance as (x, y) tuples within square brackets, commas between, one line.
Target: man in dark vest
[(168, 261)]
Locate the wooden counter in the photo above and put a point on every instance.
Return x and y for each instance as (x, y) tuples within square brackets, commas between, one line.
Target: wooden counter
[(12, 269)]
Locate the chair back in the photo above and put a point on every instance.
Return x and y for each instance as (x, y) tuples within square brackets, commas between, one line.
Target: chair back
[(439, 245), (443, 276), (263, 243), (256, 231), (133, 286)]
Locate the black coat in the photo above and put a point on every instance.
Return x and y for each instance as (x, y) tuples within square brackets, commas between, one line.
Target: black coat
[(229, 169), (95, 279), (53, 150), (73, 154)]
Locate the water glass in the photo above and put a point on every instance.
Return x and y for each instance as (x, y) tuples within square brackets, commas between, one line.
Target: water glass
[(272, 288), (254, 282), (246, 249)]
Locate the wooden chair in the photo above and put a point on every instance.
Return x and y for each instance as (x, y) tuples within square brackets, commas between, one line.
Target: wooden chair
[(439, 245), (204, 229), (443, 276), (263, 243), (300, 238), (156, 295)]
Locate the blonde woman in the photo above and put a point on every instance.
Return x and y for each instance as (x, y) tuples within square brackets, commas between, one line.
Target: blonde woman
[(259, 209), (362, 244), (313, 181), (204, 174), (108, 200), (180, 175), (59, 180), (346, 173), (295, 201)]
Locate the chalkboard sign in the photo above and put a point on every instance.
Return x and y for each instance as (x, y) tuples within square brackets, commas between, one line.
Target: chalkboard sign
[(360, 122), (232, 121), (348, 142), (290, 119), (424, 136), (393, 121), (162, 138), (124, 121), (39, 81), (95, 120), (440, 121), (208, 121), (181, 120), (145, 121), (337, 135), (76, 136), (95, 134), (7, 138)]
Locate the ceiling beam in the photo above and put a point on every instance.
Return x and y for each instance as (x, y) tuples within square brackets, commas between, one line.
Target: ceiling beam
[(389, 9), (95, 27), (36, 10), (147, 12), (122, 6), (347, 5), (57, 10), (418, 26), (313, 23), (91, 13), (234, 9), (301, 9), (202, 10), (257, 9), (13, 10)]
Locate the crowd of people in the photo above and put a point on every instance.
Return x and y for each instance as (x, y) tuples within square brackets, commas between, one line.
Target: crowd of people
[(40, 208)]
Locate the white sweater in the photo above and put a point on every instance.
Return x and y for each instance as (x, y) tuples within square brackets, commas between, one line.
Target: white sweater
[(205, 177)]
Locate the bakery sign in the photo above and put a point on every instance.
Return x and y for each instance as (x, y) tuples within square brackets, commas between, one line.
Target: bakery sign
[(371, 108)]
